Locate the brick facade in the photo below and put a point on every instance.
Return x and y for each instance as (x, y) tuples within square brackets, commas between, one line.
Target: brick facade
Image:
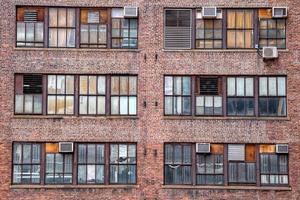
[(150, 129)]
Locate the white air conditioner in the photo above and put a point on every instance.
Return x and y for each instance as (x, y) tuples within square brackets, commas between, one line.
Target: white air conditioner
[(270, 52), (279, 12), (209, 12), (130, 11), (202, 148), (65, 147), (282, 148)]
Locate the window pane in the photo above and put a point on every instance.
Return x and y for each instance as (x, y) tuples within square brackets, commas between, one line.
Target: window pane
[(30, 32), (83, 84), (131, 153), (101, 105), (248, 19), (232, 172), (178, 105), (123, 105), (230, 19), (91, 173), (51, 105), (101, 84), (52, 37), (132, 105), (231, 39), (240, 39), (186, 105), (187, 154), (91, 153), (177, 154), (60, 84), (62, 38), (281, 86), (28, 104), (71, 17), (132, 85), (210, 164), (263, 89), (230, 86), (52, 17), (99, 174), (168, 85), (51, 84), (115, 85), (36, 153), (83, 105), (272, 86), (114, 105), (273, 164), (123, 85), (60, 103), (20, 31), (168, 105), (117, 12), (17, 174), (168, 154), (70, 105), (69, 84), (38, 104), (84, 37), (122, 153), (92, 105), (19, 104), (241, 172), (186, 83), (100, 154), (81, 173), (113, 171), (81, 153), (249, 86), (240, 23), (62, 17), (114, 153), (177, 85)]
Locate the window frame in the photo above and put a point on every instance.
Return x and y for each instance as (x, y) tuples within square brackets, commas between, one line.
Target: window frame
[(21, 164)]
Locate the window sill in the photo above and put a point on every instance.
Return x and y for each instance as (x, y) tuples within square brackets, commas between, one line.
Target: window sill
[(220, 50), (225, 118), (75, 49), (72, 117), (279, 188), (74, 186)]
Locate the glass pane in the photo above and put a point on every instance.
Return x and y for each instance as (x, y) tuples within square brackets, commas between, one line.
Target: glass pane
[(19, 104), (52, 37), (36, 153), (240, 39), (113, 174), (93, 34), (60, 84), (62, 17), (131, 153), (114, 157), (272, 86), (123, 85), (69, 84), (187, 154), (71, 38), (117, 13), (263, 88), (274, 164), (200, 163), (131, 174), (240, 87), (83, 105), (70, 105), (251, 176), (49, 163), (51, 105), (122, 174), (240, 20), (101, 85), (186, 105), (249, 87), (168, 175), (52, 17), (209, 164), (186, 84), (281, 86), (102, 34), (28, 104), (26, 173), (99, 174), (177, 154), (17, 153), (248, 19), (283, 179), (200, 105), (218, 164), (283, 163), (264, 179), (177, 85), (230, 86), (186, 173), (168, 85), (122, 153), (51, 84), (100, 153), (241, 172), (92, 105), (114, 105), (81, 173), (101, 105), (132, 105), (177, 105), (114, 85), (231, 39), (17, 174), (232, 172), (168, 105), (84, 37), (264, 163), (132, 85), (218, 105), (59, 159), (83, 84), (60, 103), (91, 173), (68, 163), (91, 153), (230, 19), (124, 105), (62, 38), (71, 17), (29, 32), (168, 154), (82, 153), (20, 31), (26, 153), (37, 104)]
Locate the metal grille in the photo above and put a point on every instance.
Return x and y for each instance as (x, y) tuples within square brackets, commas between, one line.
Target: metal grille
[(178, 37), (30, 16), (32, 84), (209, 86)]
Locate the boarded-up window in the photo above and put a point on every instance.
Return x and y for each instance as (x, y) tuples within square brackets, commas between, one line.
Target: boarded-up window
[(178, 29), (30, 27), (28, 94), (240, 28)]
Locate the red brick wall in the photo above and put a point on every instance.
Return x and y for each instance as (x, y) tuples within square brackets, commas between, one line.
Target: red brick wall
[(151, 129)]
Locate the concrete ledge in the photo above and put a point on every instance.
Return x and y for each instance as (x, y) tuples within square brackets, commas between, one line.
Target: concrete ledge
[(72, 117), (74, 186), (74, 49), (277, 188), (220, 50)]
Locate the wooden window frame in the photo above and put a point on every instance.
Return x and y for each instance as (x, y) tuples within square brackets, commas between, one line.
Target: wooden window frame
[(191, 164), (22, 163), (272, 97), (122, 164), (276, 38), (173, 95)]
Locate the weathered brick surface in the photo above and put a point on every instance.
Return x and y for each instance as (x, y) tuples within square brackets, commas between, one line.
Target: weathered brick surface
[(151, 129)]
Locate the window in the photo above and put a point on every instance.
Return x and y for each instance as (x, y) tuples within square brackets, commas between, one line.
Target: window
[(30, 27), (208, 96), (177, 95), (93, 28), (240, 28), (122, 167), (123, 95), (62, 27), (240, 96), (90, 164), (178, 164), (272, 96), (59, 168), (26, 163), (208, 33), (178, 28), (241, 163), (60, 95), (272, 33), (273, 167), (28, 94), (210, 166), (124, 30), (92, 92)]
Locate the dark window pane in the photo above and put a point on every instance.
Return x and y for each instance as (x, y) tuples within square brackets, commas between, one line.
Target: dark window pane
[(168, 175)]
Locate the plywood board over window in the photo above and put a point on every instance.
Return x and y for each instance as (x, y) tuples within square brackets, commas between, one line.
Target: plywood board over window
[(265, 13)]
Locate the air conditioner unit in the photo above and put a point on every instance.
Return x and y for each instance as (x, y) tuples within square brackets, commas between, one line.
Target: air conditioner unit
[(130, 11), (270, 52), (202, 148), (279, 12), (282, 148), (209, 12), (65, 147)]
